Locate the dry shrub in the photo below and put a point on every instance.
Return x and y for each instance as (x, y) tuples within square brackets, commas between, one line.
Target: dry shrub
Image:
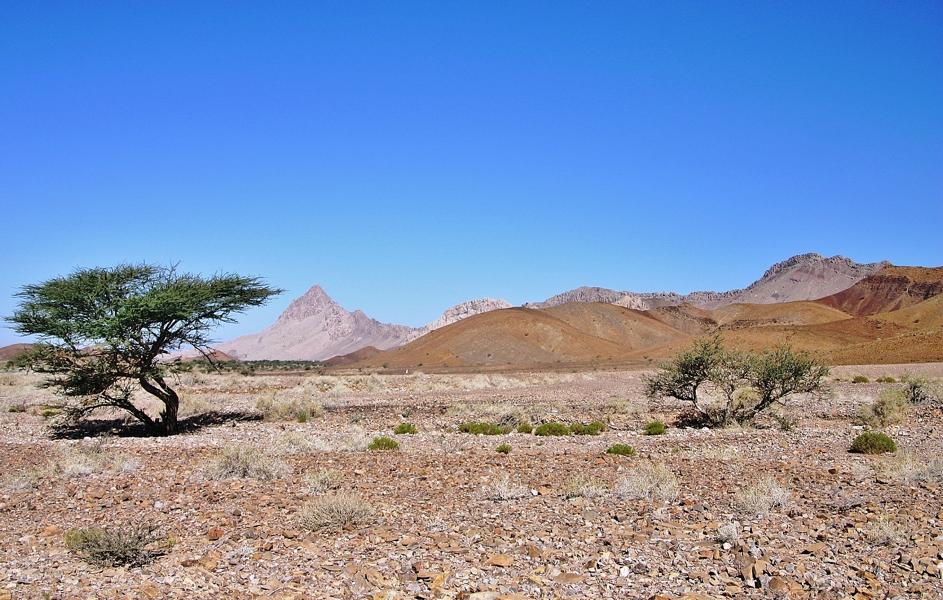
[(79, 460), (242, 462), (323, 480), (649, 481), (23, 481), (891, 408), (334, 512), (884, 532), (288, 408), (583, 486), (294, 442), (196, 404), (504, 488), (128, 546), (763, 496), (910, 469)]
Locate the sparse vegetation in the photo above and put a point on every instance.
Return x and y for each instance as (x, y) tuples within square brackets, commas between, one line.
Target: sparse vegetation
[(503, 449), (873, 442), (748, 382), (621, 450), (920, 390), (860, 379), (383, 443), (335, 512), (649, 481), (275, 408), (245, 462), (552, 428), (785, 421), (885, 532), (478, 428), (583, 486), (891, 408), (405, 429), (323, 480), (591, 428), (762, 496), (504, 488), (525, 427), (886, 379), (655, 428), (122, 546), (17, 408)]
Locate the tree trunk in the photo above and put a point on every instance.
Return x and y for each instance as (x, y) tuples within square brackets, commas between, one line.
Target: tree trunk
[(168, 416), (167, 425)]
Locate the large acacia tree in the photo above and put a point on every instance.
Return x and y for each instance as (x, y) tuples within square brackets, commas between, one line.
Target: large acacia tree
[(105, 332)]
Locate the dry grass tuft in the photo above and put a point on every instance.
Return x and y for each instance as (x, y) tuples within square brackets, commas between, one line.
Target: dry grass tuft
[(763, 496), (242, 462), (288, 408), (884, 532), (323, 480), (583, 486), (504, 488), (910, 469), (890, 409), (650, 481), (133, 546), (335, 512)]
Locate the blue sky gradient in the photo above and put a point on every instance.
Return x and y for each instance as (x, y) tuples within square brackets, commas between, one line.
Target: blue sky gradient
[(408, 156)]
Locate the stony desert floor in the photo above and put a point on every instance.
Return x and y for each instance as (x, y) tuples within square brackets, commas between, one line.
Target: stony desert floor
[(446, 516)]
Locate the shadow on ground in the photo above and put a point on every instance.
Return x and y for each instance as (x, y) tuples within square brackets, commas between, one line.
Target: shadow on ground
[(130, 428)]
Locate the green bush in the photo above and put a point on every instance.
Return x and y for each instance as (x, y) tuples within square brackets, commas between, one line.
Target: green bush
[(860, 379), (886, 379), (655, 428), (17, 408), (525, 428), (621, 450), (504, 448), (405, 429), (593, 428), (552, 428), (477, 428), (131, 547), (383, 443), (873, 442), (303, 415)]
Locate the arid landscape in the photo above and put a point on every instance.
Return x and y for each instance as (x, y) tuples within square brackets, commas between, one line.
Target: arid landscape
[(781, 510)]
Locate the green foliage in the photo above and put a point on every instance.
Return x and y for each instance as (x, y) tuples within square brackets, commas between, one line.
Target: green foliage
[(591, 428), (104, 332), (17, 408), (405, 429), (552, 428), (302, 416), (50, 411), (131, 547), (504, 448), (860, 379), (886, 379), (478, 428), (525, 427), (621, 450), (873, 442), (383, 443), (920, 390), (655, 428), (748, 382)]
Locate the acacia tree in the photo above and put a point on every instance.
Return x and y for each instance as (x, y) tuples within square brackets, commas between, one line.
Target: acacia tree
[(104, 332), (747, 383)]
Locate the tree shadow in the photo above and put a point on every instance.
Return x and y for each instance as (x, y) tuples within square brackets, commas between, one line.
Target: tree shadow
[(126, 427)]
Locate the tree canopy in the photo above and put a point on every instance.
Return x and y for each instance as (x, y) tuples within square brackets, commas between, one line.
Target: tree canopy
[(105, 331)]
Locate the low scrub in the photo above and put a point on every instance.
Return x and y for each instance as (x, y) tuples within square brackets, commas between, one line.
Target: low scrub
[(383, 443), (130, 546), (323, 480), (503, 449), (525, 427), (890, 409), (504, 488), (583, 486), (652, 481), (886, 379), (920, 390), (335, 512), (245, 462), (591, 428), (911, 469), (859, 379), (655, 428), (885, 532), (405, 429), (274, 408), (621, 450), (763, 496), (480, 428), (872, 442), (552, 429)]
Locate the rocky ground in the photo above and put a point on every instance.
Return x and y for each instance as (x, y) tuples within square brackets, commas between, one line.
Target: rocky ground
[(556, 517)]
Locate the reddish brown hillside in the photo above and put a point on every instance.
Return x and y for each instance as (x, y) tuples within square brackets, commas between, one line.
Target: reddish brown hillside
[(889, 289), (352, 357), (13, 350)]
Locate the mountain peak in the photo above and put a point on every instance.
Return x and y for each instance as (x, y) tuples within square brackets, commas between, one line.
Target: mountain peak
[(314, 301)]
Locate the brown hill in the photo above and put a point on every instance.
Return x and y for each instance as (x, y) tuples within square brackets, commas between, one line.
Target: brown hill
[(13, 350), (889, 289), (352, 357), (739, 316), (581, 333)]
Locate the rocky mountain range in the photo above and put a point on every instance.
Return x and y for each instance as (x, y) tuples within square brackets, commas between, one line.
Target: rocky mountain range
[(315, 327)]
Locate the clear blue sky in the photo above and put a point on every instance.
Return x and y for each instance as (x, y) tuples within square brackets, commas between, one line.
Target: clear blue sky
[(408, 156)]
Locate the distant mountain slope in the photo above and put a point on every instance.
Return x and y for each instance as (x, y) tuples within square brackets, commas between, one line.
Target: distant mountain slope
[(13, 350), (802, 277), (314, 327), (459, 312), (889, 289)]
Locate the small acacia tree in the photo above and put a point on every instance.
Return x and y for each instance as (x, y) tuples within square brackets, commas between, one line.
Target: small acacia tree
[(743, 384), (103, 332)]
